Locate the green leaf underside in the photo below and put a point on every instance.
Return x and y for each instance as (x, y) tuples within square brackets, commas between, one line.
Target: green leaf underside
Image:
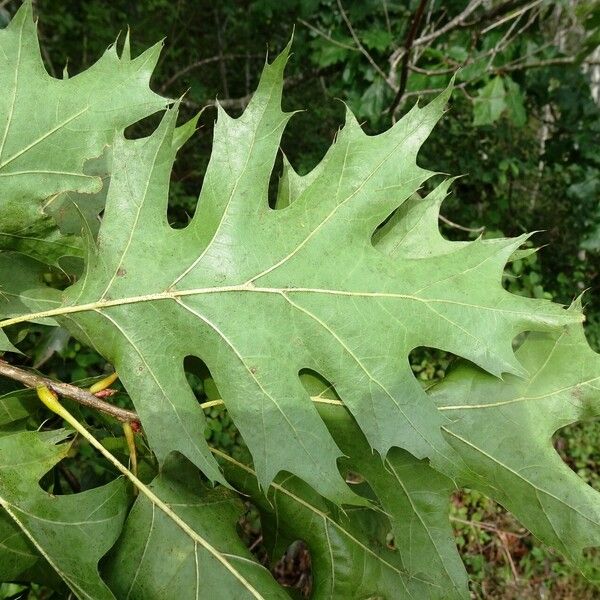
[(262, 294), (413, 496), (71, 532), (16, 553), (425, 564), (20, 277), (19, 560), (15, 406), (503, 432), (137, 567), (50, 127), (5, 344)]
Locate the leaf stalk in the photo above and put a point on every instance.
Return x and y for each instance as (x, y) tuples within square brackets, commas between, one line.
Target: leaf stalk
[(50, 400)]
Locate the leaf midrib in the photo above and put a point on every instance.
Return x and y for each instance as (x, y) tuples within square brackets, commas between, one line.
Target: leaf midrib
[(247, 287)]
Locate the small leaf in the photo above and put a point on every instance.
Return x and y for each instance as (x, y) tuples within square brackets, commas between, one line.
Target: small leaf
[(20, 276), (16, 406), (490, 102), (377, 39), (515, 102)]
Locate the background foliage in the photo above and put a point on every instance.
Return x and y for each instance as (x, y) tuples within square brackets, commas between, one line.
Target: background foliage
[(524, 127)]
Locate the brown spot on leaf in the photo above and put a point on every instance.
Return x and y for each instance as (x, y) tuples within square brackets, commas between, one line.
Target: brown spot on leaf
[(121, 272)]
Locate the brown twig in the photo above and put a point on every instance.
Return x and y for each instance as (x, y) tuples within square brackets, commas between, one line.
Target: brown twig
[(452, 24), (388, 24), (359, 44), (83, 397), (511, 15), (514, 66), (461, 227), (432, 72), (196, 64), (488, 527), (327, 37), (222, 65), (288, 82), (256, 542), (70, 477), (506, 549), (457, 21), (410, 38), (507, 39), (561, 60)]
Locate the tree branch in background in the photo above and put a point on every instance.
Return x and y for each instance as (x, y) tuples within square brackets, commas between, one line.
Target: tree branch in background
[(327, 37), (461, 227), (514, 66), (289, 82), (506, 39), (79, 395), (511, 15), (195, 65), (222, 66), (561, 60), (458, 21), (410, 38), (361, 48)]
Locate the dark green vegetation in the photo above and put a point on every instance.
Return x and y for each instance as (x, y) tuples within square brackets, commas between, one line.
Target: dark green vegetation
[(523, 128)]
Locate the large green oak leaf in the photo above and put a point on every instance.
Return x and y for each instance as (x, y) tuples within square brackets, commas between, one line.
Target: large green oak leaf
[(260, 294)]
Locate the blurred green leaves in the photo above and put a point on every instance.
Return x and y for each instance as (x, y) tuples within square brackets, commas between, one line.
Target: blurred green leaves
[(399, 531)]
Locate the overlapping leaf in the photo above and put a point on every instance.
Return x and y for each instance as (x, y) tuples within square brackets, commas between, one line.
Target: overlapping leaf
[(16, 551), (71, 532), (262, 294), (50, 127), (155, 559), (413, 506), (20, 276), (503, 432), (20, 561)]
